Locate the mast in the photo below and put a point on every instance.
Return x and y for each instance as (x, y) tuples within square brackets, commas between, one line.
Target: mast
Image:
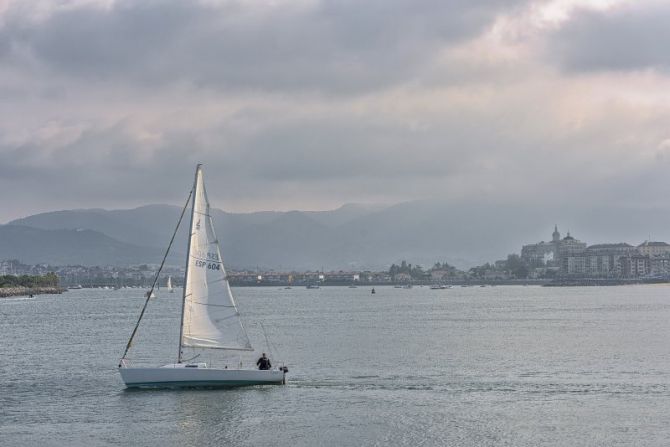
[(188, 259)]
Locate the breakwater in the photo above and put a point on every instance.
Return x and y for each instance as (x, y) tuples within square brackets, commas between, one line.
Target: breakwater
[(583, 282), (27, 291)]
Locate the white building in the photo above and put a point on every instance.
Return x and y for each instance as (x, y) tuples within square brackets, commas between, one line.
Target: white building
[(654, 249)]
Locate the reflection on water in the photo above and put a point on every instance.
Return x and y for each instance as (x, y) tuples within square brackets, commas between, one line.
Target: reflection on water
[(463, 366)]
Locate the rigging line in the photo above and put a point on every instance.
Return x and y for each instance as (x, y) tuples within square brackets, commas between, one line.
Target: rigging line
[(206, 259), (221, 278), (227, 318), (267, 343), (146, 302), (271, 347), (212, 305), (217, 280), (209, 346), (193, 358)]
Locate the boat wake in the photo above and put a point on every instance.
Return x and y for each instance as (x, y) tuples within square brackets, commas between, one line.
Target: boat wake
[(14, 299)]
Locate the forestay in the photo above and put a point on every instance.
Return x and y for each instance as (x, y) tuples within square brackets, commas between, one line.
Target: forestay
[(210, 318)]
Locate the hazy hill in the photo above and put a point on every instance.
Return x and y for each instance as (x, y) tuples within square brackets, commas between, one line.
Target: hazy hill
[(428, 231), (147, 226), (353, 236), (344, 214), (75, 247), (291, 239)]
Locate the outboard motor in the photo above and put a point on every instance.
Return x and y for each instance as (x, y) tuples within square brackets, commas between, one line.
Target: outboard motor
[(283, 369)]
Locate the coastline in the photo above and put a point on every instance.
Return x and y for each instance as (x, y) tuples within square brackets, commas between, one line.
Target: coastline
[(604, 282), (7, 292), (415, 283)]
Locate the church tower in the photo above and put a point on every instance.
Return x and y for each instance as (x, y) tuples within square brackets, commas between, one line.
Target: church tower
[(555, 236)]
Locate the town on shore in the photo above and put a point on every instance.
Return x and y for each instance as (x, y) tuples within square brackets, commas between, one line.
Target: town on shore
[(560, 261)]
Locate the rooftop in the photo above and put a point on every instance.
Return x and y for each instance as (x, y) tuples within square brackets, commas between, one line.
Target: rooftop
[(618, 245), (654, 244)]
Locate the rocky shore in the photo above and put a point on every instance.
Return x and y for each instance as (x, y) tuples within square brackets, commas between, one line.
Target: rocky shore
[(27, 291)]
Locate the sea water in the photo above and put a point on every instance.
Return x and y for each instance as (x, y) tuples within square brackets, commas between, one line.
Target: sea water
[(517, 366)]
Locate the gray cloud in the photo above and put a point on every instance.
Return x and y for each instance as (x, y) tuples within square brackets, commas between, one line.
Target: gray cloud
[(311, 105), (335, 158), (331, 46), (632, 37)]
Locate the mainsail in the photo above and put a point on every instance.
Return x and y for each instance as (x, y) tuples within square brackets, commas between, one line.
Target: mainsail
[(210, 317)]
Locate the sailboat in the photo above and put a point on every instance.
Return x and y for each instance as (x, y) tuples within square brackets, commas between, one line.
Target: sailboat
[(209, 316), (169, 285)]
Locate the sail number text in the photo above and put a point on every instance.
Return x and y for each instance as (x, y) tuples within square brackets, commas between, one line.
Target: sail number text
[(209, 255), (209, 265)]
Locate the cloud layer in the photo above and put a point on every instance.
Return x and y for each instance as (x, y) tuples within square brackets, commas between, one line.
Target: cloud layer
[(632, 37), (314, 103)]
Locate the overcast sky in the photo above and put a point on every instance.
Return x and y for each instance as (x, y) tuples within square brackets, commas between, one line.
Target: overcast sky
[(310, 104)]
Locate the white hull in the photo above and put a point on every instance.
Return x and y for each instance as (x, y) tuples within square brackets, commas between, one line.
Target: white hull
[(179, 376)]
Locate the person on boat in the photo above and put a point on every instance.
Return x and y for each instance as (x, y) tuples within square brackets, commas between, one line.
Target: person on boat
[(263, 363)]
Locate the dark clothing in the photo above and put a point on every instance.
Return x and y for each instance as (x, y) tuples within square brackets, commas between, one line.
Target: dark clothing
[(264, 363)]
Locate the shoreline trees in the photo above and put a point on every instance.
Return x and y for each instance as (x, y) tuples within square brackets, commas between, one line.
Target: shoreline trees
[(48, 280)]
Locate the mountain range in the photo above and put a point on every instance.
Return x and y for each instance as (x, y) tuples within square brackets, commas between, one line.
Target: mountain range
[(353, 236)]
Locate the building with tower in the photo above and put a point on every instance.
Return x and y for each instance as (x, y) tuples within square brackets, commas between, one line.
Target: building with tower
[(560, 255), (542, 254), (568, 257)]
